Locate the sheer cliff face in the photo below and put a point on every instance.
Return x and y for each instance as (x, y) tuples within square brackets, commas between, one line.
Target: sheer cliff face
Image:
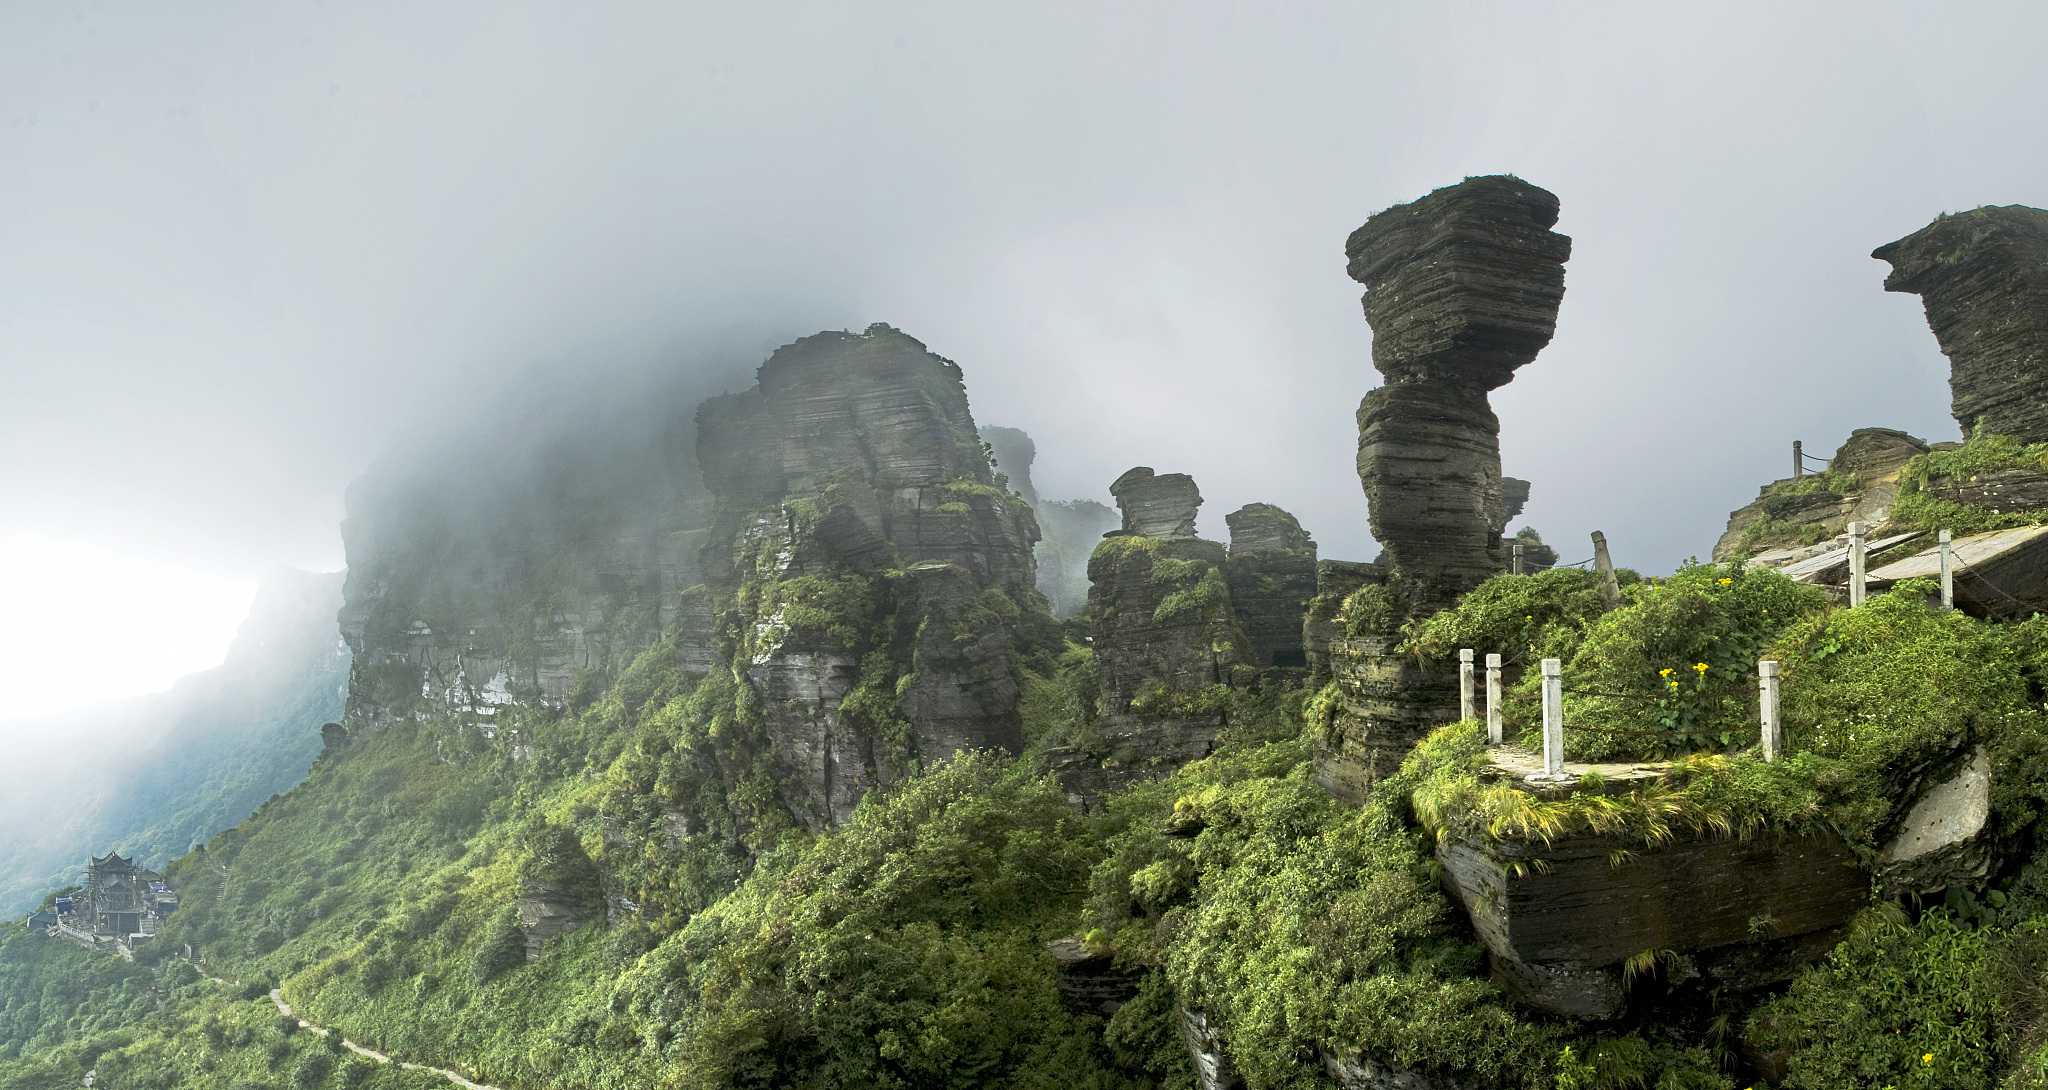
[(503, 568), (1983, 277), (876, 577), (1463, 287)]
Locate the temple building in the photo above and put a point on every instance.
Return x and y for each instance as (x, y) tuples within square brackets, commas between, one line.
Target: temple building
[(120, 901)]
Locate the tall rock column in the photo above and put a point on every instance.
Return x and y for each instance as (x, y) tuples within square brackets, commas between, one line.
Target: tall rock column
[(1166, 640), (1462, 288), (1983, 277)]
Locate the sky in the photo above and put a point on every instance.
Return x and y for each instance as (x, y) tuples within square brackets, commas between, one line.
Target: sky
[(244, 247)]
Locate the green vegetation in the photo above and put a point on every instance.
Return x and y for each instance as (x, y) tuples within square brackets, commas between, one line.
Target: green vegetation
[(1922, 506), (905, 948)]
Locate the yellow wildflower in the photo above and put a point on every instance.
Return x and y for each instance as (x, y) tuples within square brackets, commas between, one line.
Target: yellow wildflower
[(1724, 582), (1666, 672), (1927, 1059), (1701, 667)]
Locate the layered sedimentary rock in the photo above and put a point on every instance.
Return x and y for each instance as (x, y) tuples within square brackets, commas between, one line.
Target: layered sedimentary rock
[(1070, 528), (1462, 288), (877, 575), (1983, 277), (1271, 573), (1559, 920), (1167, 643)]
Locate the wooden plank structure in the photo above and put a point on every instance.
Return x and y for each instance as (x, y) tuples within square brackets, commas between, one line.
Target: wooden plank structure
[(2000, 574)]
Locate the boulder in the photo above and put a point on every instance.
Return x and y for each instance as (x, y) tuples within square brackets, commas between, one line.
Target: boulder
[(1213, 1069), (1945, 839)]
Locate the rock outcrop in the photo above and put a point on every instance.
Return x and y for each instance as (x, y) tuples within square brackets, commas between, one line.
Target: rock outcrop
[(878, 576), (1983, 277), (1090, 982), (1463, 288), (1167, 643), (1560, 920), (1070, 528), (1271, 573), (1860, 484)]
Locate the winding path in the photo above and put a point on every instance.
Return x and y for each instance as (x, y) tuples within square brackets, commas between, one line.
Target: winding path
[(285, 1009)]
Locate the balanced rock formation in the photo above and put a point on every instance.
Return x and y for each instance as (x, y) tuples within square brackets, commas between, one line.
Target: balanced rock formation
[(877, 576), (1462, 288), (1983, 277), (1167, 643), (1271, 573), (1070, 527)]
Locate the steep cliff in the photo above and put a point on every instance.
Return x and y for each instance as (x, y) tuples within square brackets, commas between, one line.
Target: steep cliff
[(1983, 276), (872, 578)]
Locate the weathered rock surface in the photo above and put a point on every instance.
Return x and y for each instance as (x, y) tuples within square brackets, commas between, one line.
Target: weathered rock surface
[(1352, 1070), (1213, 1069), (1983, 277), (1463, 288), (1088, 982), (1559, 920), (1860, 485), (1271, 573), (1322, 625), (859, 530), (547, 910), (1944, 840), (2003, 573), (1167, 642), (1390, 702), (1070, 528), (1154, 505)]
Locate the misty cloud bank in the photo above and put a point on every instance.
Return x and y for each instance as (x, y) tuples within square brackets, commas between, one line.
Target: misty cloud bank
[(250, 248)]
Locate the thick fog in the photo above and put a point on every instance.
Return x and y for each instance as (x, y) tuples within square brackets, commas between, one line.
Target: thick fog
[(245, 246)]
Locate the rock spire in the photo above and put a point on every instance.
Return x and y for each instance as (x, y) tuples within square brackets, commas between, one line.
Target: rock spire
[(1462, 288), (1983, 277)]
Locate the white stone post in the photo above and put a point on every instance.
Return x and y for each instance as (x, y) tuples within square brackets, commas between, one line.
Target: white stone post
[(1553, 718), (1465, 709), (1855, 564), (1603, 565), (1767, 710), (1948, 574), (1493, 737), (1516, 551), (1798, 461)]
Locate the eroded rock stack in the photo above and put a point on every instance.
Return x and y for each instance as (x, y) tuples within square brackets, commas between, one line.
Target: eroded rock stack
[(1462, 288), (877, 574), (1271, 573), (1166, 640), (1983, 277)]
